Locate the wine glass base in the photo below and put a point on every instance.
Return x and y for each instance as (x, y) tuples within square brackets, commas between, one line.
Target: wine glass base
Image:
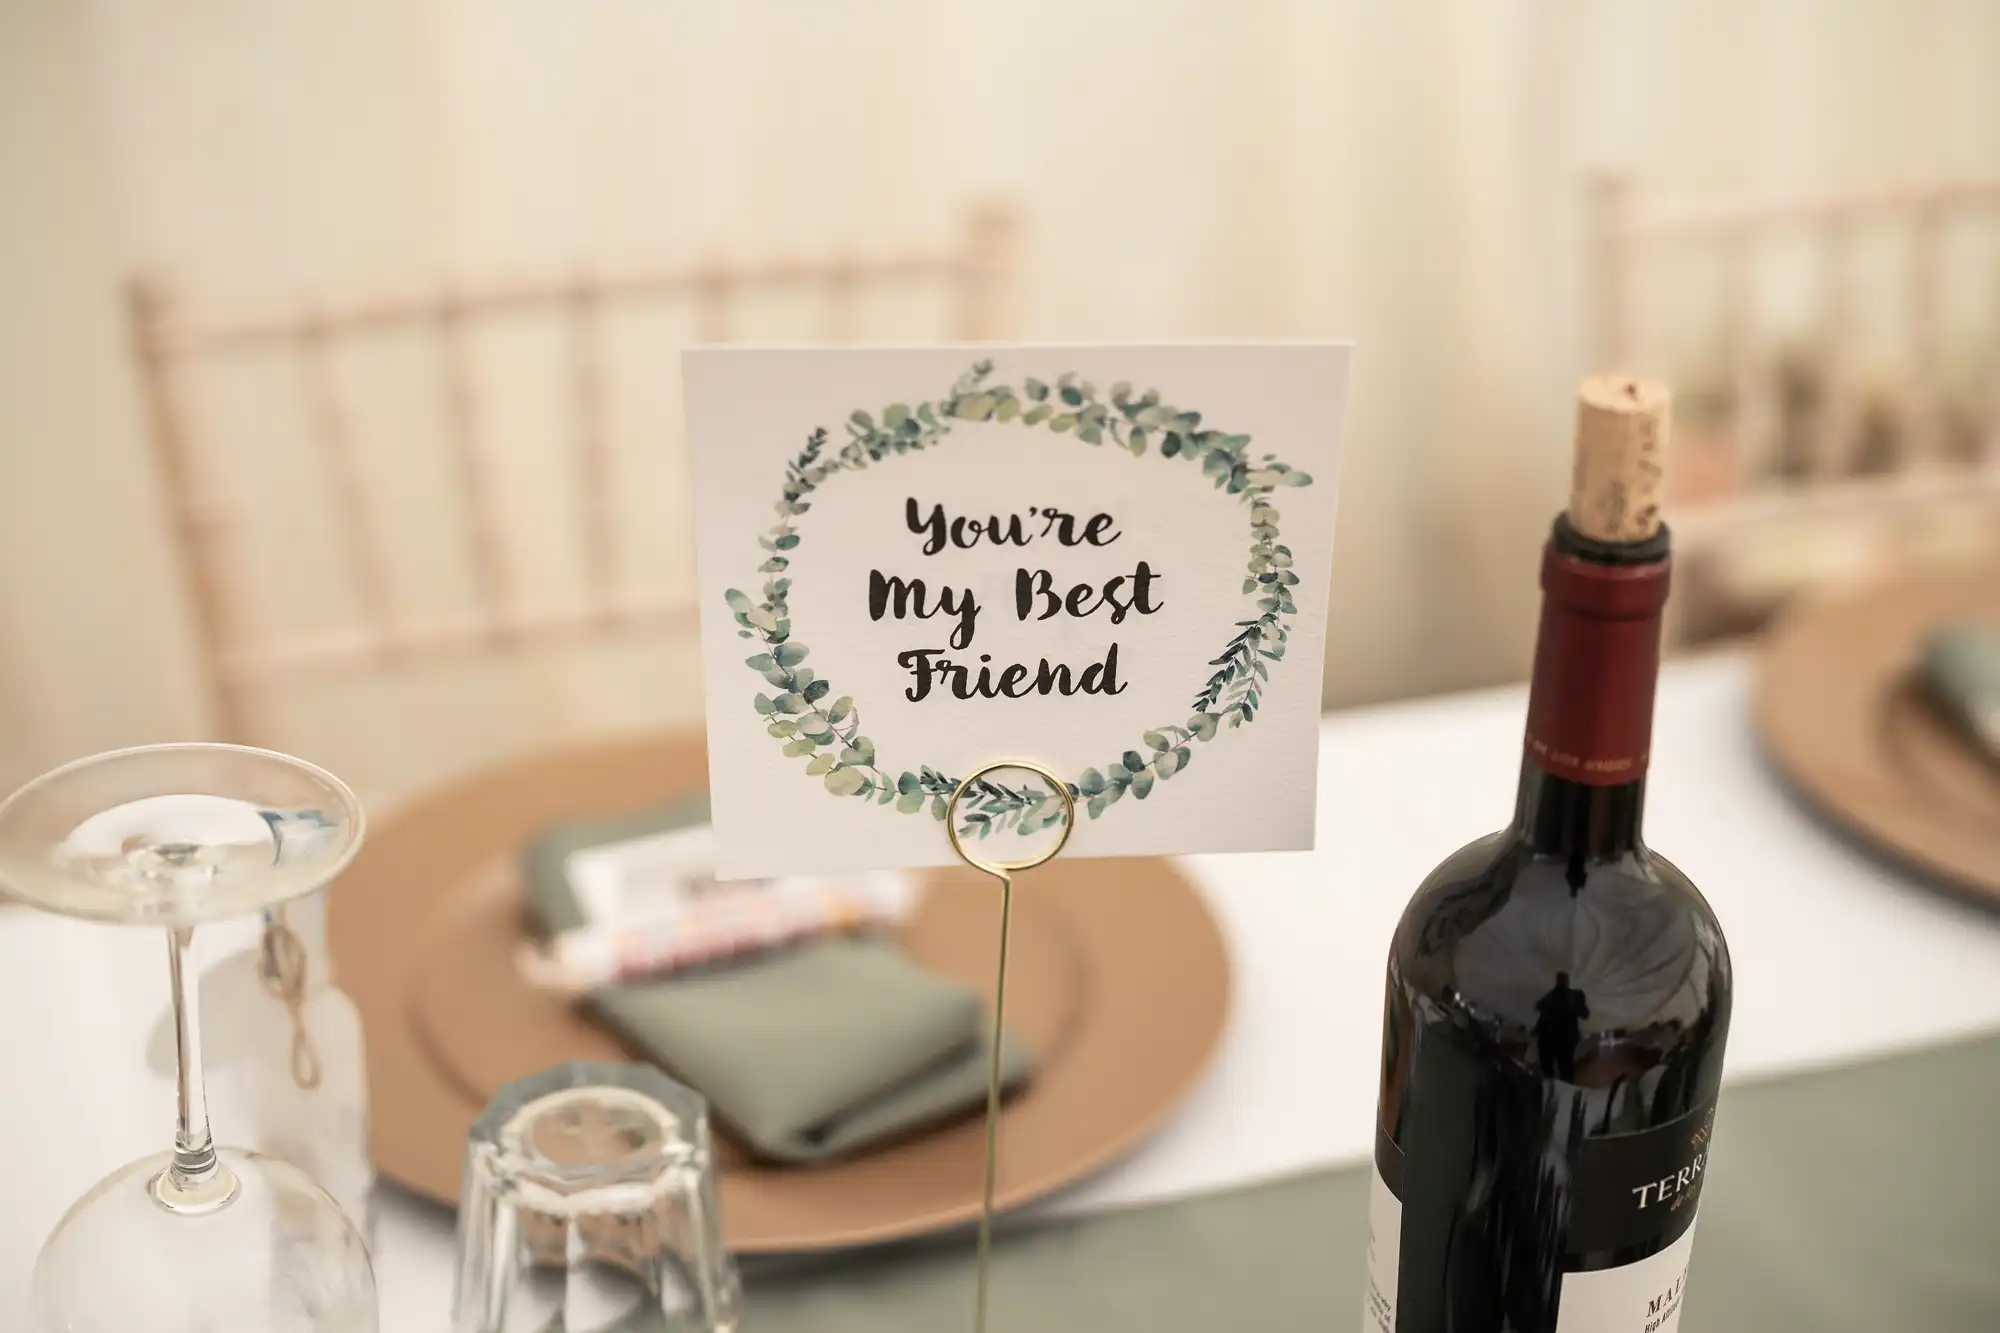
[(278, 1257)]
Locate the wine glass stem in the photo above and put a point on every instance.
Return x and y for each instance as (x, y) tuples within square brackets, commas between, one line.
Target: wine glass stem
[(196, 1178)]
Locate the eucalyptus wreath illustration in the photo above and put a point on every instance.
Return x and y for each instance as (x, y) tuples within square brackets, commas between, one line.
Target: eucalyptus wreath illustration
[(826, 734)]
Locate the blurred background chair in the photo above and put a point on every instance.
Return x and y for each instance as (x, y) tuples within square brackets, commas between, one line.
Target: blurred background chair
[(1836, 364), (483, 468)]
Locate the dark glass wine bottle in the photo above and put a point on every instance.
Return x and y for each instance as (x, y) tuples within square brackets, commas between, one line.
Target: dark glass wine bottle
[(1558, 993)]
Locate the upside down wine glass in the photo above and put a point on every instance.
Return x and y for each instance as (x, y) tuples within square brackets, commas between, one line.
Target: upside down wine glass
[(200, 1239)]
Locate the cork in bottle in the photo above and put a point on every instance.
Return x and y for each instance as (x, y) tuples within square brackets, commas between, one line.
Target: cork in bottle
[(1621, 433)]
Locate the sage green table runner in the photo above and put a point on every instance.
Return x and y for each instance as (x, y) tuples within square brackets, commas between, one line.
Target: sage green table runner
[(1863, 1199)]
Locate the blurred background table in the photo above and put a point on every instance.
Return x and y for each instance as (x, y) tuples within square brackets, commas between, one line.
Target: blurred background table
[(1839, 956)]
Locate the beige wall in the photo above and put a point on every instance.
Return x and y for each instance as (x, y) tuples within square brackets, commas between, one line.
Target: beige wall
[(1407, 175)]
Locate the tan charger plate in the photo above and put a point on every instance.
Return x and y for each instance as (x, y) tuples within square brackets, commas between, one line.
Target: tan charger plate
[(1118, 979), (1845, 716)]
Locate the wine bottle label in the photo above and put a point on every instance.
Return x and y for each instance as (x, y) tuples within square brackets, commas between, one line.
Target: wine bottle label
[(1644, 1297), (1639, 1189), (1385, 1239), (1626, 1191)]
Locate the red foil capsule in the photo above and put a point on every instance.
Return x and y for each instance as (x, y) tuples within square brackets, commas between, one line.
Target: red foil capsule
[(1597, 659)]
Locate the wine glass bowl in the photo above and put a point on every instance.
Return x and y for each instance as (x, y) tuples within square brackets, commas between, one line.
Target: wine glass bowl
[(279, 1257), (198, 1238), (175, 835)]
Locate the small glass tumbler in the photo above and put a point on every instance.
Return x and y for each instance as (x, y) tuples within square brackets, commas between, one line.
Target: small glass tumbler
[(589, 1203)]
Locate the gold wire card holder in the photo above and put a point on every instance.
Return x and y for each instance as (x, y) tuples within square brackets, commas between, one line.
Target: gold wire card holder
[(1004, 871)]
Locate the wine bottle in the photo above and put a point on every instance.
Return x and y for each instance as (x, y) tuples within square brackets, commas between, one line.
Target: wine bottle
[(1558, 993)]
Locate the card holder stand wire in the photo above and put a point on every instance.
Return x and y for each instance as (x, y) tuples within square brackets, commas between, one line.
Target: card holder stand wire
[(1004, 871)]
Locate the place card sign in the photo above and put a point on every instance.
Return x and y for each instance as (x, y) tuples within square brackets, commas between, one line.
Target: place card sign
[(1109, 560)]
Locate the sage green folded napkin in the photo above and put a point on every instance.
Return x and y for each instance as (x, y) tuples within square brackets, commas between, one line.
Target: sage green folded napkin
[(809, 1052), (1961, 666)]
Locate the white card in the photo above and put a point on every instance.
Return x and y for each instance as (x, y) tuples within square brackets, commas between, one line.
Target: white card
[(1149, 624)]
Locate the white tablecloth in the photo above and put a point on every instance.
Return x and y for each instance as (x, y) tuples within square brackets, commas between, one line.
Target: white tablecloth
[(1837, 955)]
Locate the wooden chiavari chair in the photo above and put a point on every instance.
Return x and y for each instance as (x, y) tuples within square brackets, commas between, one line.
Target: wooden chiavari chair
[(239, 660), (1799, 442)]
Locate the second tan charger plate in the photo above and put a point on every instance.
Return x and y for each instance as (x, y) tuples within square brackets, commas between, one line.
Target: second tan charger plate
[(1845, 715), (1118, 979)]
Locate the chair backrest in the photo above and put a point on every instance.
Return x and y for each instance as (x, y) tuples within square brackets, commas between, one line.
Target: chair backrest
[(172, 336), (1797, 425)]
